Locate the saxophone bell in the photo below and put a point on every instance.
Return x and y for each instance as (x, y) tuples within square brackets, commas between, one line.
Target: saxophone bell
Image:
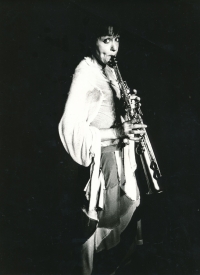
[(150, 167)]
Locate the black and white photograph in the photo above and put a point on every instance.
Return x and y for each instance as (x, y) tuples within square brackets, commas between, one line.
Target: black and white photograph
[(100, 130)]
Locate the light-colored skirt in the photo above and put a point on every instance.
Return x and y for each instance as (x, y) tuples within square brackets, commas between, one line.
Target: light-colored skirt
[(114, 217)]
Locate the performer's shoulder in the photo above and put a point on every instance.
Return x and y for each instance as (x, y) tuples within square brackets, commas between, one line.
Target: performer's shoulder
[(84, 65)]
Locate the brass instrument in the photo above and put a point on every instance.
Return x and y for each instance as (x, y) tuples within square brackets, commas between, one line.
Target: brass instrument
[(144, 148)]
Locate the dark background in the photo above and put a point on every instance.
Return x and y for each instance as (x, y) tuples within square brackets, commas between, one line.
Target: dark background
[(41, 43)]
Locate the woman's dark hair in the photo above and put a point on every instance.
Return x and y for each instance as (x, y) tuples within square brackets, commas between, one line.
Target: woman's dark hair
[(103, 29), (100, 28)]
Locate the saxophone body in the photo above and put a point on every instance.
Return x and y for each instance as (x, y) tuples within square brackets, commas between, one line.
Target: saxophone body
[(143, 148)]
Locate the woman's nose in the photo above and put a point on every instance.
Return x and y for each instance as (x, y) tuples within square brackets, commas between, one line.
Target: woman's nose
[(114, 46)]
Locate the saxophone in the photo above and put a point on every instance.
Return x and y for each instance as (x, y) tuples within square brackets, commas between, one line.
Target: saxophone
[(144, 148)]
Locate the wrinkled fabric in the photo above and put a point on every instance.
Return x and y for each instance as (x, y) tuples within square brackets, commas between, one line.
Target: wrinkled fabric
[(90, 97), (112, 191), (117, 211)]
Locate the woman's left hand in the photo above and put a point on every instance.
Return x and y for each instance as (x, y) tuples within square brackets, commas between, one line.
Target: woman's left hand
[(134, 100)]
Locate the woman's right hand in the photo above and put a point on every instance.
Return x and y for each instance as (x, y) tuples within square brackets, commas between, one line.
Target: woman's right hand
[(131, 130), (128, 130)]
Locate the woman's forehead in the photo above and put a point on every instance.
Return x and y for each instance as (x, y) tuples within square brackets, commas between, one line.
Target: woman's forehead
[(110, 36)]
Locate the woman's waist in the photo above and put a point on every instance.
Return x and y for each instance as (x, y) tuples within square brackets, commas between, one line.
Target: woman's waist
[(109, 146)]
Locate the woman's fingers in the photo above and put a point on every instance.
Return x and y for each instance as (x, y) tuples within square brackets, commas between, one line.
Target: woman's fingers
[(134, 98), (133, 125), (133, 137), (126, 141), (130, 128), (134, 101), (137, 132), (138, 126), (134, 131), (135, 91)]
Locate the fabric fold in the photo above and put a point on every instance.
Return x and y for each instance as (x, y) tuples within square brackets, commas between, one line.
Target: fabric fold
[(93, 186), (130, 186)]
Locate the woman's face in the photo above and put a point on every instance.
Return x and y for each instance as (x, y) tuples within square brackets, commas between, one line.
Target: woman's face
[(106, 46)]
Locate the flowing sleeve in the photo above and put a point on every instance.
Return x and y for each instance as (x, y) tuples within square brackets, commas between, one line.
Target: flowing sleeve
[(80, 139)]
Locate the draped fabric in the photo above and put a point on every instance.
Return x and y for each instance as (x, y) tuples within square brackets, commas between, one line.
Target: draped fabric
[(94, 104), (116, 214)]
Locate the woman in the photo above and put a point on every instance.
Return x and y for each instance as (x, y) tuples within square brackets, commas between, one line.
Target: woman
[(92, 131)]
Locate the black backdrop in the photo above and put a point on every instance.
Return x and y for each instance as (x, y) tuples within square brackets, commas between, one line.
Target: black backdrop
[(41, 42)]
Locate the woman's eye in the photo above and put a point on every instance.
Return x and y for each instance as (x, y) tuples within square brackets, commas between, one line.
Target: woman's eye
[(107, 40), (117, 39)]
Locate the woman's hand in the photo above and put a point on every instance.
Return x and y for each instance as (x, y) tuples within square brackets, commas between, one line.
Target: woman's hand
[(131, 130), (127, 130), (134, 99)]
